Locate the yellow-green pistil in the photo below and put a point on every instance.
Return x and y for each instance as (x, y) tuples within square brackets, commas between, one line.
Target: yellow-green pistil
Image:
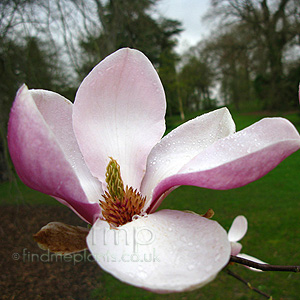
[(120, 204)]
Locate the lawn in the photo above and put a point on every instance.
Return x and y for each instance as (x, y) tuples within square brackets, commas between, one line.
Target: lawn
[(271, 206)]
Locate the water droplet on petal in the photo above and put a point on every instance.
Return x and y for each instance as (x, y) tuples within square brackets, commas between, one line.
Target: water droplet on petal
[(107, 69), (191, 267), (183, 238), (143, 214), (142, 274), (135, 217), (218, 256)]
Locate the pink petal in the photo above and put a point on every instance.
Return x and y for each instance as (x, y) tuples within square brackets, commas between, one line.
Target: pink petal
[(238, 229), (44, 151), (184, 143), (119, 112), (237, 159), (88, 212), (168, 251)]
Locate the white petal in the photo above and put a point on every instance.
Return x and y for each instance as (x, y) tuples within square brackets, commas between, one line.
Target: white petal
[(235, 160), (183, 143), (238, 229), (168, 251), (119, 112)]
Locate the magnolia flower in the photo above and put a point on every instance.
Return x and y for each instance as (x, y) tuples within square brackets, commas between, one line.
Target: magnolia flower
[(236, 232), (108, 147)]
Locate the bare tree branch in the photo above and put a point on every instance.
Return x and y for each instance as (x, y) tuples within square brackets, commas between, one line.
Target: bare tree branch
[(247, 283), (264, 267)]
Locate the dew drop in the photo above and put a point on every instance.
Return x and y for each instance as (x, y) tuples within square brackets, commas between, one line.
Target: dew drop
[(142, 274), (143, 214), (218, 256), (107, 69), (183, 238), (135, 217), (191, 267)]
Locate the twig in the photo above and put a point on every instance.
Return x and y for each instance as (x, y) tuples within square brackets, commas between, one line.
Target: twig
[(264, 267), (248, 284)]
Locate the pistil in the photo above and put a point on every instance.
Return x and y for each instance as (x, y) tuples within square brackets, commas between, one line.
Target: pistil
[(120, 204)]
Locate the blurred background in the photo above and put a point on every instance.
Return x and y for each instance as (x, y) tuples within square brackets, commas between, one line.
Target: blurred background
[(244, 54)]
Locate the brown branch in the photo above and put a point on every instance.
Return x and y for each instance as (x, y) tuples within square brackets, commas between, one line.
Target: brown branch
[(248, 284), (263, 267)]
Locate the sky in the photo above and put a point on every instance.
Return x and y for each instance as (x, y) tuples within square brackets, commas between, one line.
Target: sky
[(189, 12)]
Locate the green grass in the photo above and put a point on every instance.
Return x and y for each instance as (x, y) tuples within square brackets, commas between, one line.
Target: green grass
[(15, 192), (271, 206)]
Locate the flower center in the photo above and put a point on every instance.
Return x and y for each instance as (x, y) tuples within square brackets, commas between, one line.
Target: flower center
[(120, 204)]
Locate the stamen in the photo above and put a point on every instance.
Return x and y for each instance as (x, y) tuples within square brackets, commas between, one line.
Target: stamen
[(120, 205)]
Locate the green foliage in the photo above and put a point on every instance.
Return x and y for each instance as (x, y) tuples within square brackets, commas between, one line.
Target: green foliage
[(128, 24), (196, 79), (168, 75), (27, 61)]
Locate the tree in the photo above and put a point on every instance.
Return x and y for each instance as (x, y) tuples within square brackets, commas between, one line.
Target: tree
[(274, 25), (231, 51), (196, 79)]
